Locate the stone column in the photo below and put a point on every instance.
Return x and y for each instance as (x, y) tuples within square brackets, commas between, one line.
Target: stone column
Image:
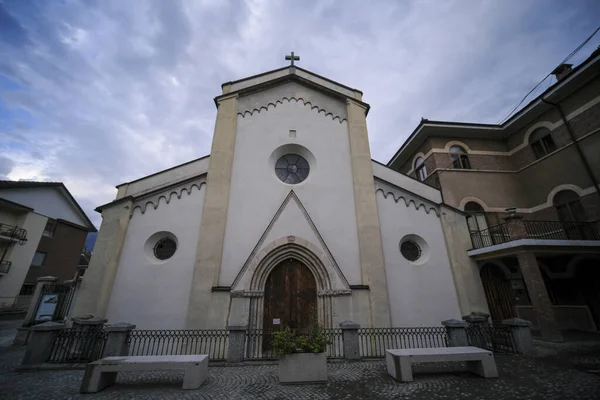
[(350, 338), (370, 245), (237, 343), (37, 295), (96, 287), (457, 332), (540, 301), (206, 309), (88, 323), (515, 227), (117, 341), (39, 347), (521, 333)]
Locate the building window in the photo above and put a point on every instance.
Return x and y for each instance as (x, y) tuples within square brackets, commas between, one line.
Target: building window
[(38, 259), (460, 159), (476, 217), (292, 168), (541, 142), (27, 289), (420, 169), (50, 228), (165, 248), (410, 250), (568, 205)]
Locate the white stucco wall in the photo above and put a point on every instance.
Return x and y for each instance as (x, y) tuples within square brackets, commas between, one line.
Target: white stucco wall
[(257, 193), (21, 256), (164, 178), (410, 184), (47, 201), (147, 292), (420, 295)]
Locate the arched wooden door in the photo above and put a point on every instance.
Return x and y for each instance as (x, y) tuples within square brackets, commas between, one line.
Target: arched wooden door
[(290, 297), (498, 292)]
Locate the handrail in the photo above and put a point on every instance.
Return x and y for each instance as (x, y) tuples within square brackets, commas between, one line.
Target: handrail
[(543, 230), (14, 232)]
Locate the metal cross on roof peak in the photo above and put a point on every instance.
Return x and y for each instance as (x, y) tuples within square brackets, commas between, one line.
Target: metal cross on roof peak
[(292, 58)]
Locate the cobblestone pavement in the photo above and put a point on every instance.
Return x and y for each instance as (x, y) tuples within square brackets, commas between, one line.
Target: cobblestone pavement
[(557, 372)]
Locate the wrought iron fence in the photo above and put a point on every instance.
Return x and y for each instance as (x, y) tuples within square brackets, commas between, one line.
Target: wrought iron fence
[(78, 346), (13, 232), (259, 344), (497, 338), (488, 237), (559, 230), (373, 342), (212, 342), (54, 303)]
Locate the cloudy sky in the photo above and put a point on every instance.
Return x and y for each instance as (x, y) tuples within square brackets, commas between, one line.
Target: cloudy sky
[(96, 93)]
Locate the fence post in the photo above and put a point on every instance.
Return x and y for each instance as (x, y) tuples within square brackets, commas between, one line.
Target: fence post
[(477, 319), (457, 332), (35, 299), (88, 323), (520, 330), (350, 339), (117, 341), (237, 343), (42, 340)]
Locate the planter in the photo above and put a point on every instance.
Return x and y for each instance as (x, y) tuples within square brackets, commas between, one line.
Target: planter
[(303, 368)]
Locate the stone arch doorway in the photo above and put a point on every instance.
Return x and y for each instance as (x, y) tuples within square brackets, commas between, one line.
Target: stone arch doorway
[(498, 292), (290, 296)]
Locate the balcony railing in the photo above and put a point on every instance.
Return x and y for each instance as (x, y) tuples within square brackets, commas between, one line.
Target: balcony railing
[(4, 267), (13, 232), (541, 230)]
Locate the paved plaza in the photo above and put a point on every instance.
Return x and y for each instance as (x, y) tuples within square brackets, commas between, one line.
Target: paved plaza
[(558, 371)]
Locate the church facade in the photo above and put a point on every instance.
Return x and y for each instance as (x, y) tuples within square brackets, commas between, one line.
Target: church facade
[(288, 219)]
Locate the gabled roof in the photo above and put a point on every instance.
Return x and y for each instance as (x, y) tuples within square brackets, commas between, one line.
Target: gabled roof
[(289, 73), (61, 188), (584, 72)]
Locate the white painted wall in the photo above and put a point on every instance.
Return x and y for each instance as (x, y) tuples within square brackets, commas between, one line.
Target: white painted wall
[(256, 193), (20, 256), (410, 184), (420, 295), (150, 293), (164, 178), (48, 201)]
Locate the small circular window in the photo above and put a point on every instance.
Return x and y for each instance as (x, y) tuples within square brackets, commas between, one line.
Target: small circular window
[(165, 248), (410, 250), (292, 168)]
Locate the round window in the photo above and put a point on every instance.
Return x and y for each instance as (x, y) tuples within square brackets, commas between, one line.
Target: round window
[(165, 248), (292, 168), (410, 250)]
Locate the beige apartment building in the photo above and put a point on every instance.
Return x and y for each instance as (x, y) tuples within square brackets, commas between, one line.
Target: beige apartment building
[(529, 187)]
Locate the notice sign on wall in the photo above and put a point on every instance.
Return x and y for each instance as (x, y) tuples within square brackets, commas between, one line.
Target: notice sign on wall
[(47, 307), (276, 321)]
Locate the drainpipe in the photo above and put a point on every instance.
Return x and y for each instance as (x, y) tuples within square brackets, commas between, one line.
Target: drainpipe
[(576, 143)]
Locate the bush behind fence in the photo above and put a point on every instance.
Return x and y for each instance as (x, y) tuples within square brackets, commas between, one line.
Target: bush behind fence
[(259, 344)]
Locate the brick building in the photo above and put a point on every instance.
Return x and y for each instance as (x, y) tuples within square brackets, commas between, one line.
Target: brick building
[(529, 187)]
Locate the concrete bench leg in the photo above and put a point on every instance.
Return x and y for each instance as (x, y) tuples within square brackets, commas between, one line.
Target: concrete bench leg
[(94, 380), (399, 368), (195, 377), (485, 368)]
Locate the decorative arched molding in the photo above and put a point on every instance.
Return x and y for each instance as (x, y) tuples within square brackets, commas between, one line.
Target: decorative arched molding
[(567, 186), (407, 201), (499, 264), (469, 199), (167, 196), (289, 99), (537, 125), (270, 257), (456, 143)]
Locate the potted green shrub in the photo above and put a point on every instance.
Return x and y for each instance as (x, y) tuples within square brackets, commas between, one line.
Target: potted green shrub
[(302, 357)]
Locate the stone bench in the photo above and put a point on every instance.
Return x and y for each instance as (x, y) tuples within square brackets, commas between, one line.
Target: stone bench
[(103, 373), (479, 361)]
